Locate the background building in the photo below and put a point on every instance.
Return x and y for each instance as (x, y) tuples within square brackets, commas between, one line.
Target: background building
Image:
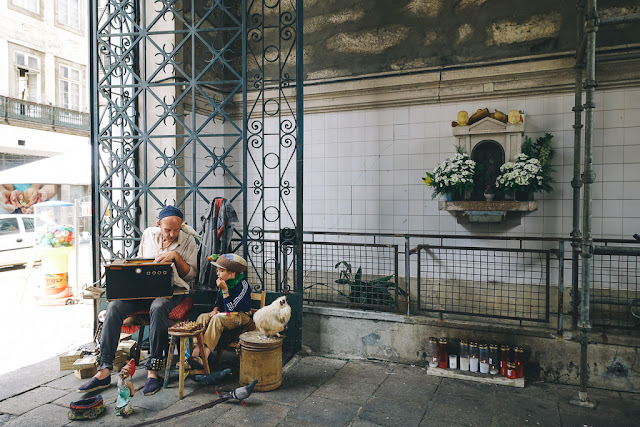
[(44, 101)]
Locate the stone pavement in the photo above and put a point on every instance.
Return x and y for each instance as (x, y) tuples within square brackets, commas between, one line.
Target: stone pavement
[(321, 391)]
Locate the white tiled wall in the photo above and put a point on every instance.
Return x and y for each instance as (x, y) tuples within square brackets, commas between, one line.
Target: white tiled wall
[(363, 169)]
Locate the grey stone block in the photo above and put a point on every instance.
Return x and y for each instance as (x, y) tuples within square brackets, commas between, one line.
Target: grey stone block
[(255, 413), (324, 412), (289, 393), (408, 384), (25, 402), (313, 370), (24, 379), (42, 416), (391, 412)]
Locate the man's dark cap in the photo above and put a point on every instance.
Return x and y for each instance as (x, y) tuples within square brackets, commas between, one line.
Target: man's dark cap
[(170, 211)]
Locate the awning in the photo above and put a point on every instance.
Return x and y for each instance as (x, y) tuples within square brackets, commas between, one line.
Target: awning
[(69, 168)]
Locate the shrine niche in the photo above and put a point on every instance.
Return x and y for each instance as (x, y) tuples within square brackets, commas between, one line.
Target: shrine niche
[(507, 135), (491, 143), (489, 156)]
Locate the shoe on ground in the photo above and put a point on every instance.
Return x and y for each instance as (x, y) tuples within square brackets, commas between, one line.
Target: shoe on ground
[(92, 292), (86, 409), (95, 384), (195, 362), (152, 386)]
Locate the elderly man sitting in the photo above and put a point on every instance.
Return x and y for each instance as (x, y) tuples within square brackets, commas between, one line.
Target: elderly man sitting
[(165, 243)]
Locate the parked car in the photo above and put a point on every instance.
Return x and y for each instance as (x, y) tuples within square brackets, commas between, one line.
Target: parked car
[(17, 239)]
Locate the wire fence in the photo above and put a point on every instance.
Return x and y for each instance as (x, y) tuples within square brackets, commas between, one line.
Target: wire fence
[(514, 278), (615, 290), (352, 275), (492, 282)]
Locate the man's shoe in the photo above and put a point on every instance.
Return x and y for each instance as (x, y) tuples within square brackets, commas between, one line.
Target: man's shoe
[(95, 384), (152, 386), (195, 363), (92, 292)]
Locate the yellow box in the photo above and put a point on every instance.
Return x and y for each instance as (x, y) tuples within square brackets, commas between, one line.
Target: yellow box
[(85, 363), (85, 373), (67, 359), (129, 347)]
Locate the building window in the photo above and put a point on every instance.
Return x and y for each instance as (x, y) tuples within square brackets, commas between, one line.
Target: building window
[(27, 77), (30, 5), (69, 13), (69, 87)]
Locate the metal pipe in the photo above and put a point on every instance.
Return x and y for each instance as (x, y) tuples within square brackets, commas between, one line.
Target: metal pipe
[(299, 145), (614, 20), (576, 183), (407, 271), (95, 156), (560, 287), (588, 177), (616, 250)]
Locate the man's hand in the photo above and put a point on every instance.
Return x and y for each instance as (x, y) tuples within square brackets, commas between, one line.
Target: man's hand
[(214, 312), (168, 256)]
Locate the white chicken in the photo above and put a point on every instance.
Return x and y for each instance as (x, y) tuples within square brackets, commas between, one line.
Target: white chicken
[(273, 318)]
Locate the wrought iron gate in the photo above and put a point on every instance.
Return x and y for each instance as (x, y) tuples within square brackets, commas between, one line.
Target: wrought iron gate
[(191, 100)]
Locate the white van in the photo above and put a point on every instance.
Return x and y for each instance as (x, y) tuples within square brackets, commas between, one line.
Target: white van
[(17, 239)]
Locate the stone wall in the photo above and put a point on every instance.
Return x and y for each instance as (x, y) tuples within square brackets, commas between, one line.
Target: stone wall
[(612, 361), (350, 38)]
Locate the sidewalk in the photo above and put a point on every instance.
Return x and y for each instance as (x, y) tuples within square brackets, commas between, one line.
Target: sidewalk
[(321, 391)]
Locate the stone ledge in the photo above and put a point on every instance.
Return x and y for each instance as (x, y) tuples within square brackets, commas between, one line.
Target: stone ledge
[(471, 376), (504, 205)]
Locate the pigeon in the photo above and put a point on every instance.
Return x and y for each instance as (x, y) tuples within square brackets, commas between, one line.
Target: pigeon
[(240, 393), (213, 378)]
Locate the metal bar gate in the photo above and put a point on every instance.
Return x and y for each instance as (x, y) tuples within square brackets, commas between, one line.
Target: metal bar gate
[(193, 100)]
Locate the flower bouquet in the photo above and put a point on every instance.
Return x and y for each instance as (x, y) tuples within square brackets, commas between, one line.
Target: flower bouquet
[(523, 175), (531, 170), (453, 177)]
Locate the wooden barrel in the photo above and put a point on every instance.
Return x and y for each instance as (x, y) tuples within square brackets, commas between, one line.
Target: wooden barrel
[(260, 359)]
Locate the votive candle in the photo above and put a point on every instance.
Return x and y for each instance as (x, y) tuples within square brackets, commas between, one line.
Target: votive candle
[(453, 361), (473, 364), (464, 363)]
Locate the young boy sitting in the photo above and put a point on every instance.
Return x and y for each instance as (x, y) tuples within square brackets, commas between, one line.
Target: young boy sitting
[(231, 309)]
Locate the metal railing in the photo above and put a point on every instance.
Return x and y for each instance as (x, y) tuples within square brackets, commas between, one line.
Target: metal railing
[(615, 287), (512, 278), (17, 109), (484, 281), (354, 275)]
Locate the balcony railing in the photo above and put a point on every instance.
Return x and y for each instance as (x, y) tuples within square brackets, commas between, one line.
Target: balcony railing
[(17, 109)]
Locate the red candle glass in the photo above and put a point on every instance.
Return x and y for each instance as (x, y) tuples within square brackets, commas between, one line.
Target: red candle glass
[(511, 371), (504, 359), (518, 354), (443, 356)]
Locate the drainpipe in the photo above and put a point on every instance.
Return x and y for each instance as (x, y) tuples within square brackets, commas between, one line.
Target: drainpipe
[(588, 177), (576, 183)]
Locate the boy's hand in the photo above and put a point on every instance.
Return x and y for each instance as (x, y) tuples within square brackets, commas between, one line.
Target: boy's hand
[(214, 312), (222, 285)]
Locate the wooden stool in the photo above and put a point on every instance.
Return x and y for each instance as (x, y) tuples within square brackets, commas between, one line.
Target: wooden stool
[(182, 337)]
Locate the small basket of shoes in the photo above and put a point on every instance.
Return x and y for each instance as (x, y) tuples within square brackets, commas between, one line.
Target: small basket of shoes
[(86, 409)]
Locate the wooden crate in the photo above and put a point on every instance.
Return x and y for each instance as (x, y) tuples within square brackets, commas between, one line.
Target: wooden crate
[(129, 348), (85, 373), (85, 363), (67, 359)]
